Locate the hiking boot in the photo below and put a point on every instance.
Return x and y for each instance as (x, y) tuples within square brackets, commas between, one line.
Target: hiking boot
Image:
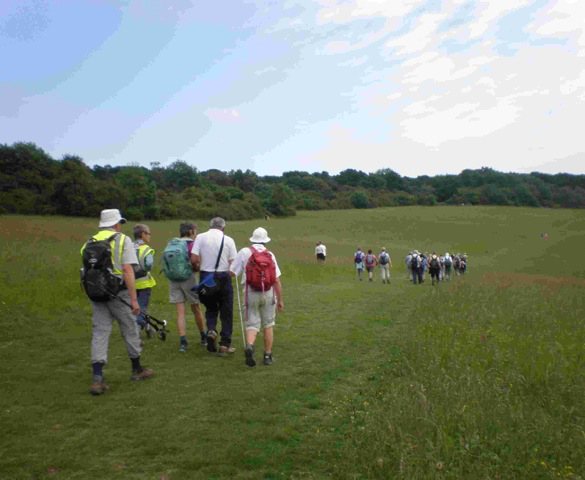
[(249, 352), (203, 339), (224, 350), (98, 386), (211, 336), (183, 347), (143, 374), (267, 359)]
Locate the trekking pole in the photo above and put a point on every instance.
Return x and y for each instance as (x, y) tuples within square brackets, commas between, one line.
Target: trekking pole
[(161, 328), (240, 310)]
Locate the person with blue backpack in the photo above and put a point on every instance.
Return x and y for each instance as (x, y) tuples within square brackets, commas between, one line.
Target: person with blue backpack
[(179, 267), (385, 263)]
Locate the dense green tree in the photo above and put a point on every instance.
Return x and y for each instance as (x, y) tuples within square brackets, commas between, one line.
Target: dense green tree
[(359, 199), (350, 177)]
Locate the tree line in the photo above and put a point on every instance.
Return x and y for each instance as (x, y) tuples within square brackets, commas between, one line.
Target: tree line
[(31, 182)]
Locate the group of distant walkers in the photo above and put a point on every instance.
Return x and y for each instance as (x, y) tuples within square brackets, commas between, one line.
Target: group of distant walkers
[(116, 276), (439, 267), (367, 262)]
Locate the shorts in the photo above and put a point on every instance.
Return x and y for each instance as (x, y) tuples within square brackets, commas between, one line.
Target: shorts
[(260, 309), (180, 292), (320, 256)]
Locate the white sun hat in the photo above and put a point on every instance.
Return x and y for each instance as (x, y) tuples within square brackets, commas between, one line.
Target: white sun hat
[(110, 217), (260, 235)]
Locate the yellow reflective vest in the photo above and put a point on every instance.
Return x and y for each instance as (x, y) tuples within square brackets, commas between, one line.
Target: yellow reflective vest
[(148, 281), (117, 245)]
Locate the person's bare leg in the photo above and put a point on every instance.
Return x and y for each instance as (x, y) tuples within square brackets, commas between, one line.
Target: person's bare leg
[(181, 319), (268, 339)]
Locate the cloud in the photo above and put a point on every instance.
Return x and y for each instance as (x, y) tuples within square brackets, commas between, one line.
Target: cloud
[(223, 115), (562, 19)]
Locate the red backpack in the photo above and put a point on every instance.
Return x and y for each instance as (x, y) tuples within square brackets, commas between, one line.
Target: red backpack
[(260, 270)]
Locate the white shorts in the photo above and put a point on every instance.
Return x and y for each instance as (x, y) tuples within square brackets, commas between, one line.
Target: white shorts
[(260, 309)]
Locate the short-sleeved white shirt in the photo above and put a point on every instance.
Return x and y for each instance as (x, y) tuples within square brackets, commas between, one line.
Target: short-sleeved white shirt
[(207, 245), (239, 265), (321, 249)]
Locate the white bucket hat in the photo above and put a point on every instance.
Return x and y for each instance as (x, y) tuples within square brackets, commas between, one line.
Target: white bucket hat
[(111, 217), (260, 235)]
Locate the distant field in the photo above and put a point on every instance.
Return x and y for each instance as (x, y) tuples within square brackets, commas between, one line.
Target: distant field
[(482, 377)]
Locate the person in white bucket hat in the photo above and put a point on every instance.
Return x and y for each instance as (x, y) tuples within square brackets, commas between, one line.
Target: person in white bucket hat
[(260, 276), (107, 305), (111, 217)]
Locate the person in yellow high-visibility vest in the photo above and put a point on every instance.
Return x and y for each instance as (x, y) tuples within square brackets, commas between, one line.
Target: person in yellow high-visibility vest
[(144, 279), (121, 305)]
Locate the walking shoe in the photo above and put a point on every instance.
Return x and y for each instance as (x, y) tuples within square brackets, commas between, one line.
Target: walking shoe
[(143, 374), (203, 339), (267, 359), (249, 352), (183, 347), (211, 336), (98, 386), (224, 350)]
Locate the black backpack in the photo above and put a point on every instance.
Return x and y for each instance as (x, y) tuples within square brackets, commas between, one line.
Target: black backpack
[(414, 261), (97, 278), (435, 265)]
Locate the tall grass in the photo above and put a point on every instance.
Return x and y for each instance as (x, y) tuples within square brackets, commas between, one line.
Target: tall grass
[(481, 377)]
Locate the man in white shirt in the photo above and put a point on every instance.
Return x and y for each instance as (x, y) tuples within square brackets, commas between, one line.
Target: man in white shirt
[(320, 252), (207, 259), (260, 305)]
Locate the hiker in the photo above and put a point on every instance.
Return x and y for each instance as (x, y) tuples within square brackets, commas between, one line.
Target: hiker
[(144, 280), (261, 300), (371, 261), (358, 259), (214, 252), (416, 267), (179, 268), (408, 261), (108, 280), (424, 266), (320, 252), (463, 264), (385, 263), (448, 263), (434, 268)]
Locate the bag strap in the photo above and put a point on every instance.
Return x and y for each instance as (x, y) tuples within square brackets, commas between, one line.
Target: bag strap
[(219, 254)]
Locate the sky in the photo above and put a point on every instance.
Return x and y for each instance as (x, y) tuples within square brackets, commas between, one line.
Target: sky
[(422, 87)]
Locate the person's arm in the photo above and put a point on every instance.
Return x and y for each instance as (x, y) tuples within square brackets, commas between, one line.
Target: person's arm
[(195, 262), (278, 293), (128, 273)]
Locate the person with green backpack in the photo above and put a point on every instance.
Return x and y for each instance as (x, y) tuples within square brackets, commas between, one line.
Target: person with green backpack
[(179, 268)]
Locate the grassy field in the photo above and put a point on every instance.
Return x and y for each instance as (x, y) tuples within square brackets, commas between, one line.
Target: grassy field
[(480, 378)]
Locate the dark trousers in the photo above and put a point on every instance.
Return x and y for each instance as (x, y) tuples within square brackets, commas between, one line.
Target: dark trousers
[(417, 274), (221, 304), (143, 297)]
